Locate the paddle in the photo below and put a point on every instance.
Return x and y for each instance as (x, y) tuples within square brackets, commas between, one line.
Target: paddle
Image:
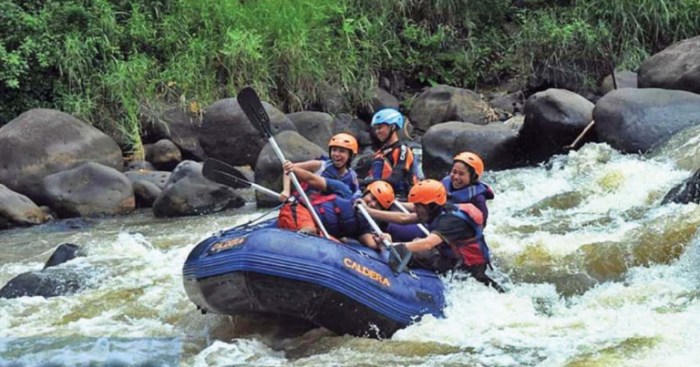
[(254, 110), (403, 209), (225, 174), (375, 228)]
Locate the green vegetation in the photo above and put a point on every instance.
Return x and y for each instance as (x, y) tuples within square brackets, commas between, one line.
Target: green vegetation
[(104, 61)]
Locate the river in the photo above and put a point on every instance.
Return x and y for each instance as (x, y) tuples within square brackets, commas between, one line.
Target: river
[(598, 274)]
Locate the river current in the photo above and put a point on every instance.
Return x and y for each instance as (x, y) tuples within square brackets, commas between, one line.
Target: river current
[(598, 273)]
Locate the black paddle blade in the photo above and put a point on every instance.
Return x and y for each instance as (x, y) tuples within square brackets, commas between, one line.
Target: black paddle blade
[(254, 110), (224, 174)]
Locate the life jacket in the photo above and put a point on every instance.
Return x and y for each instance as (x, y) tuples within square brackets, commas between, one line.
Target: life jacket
[(328, 170), (392, 156), (467, 251), (336, 214), (467, 193)]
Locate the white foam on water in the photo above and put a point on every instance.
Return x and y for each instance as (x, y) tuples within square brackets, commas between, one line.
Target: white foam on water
[(239, 352)]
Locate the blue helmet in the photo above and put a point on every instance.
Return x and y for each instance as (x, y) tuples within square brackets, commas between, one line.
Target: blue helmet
[(388, 116)]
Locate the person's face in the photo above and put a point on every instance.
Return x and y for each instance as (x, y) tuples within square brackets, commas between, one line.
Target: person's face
[(423, 213), (340, 156), (460, 175), (371, 201), (382, 131)]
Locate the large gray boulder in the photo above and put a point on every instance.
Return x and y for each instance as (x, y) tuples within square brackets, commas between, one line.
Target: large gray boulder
[(90, 189), (676, 67), (164, 155), (444, 103), (40, 142), (18, 210), (316, 127), (623, 79), (227, 134), (187, 192), (553, 120), (268, 169), (51, 281), (496, 144), (636, 120)]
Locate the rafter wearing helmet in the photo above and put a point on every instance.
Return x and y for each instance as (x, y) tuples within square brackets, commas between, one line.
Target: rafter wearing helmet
[(464, 185), (394, 161), (456, 240)]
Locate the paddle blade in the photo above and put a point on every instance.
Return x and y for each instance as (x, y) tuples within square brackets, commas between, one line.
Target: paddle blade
[(224, 174), (254, 110)]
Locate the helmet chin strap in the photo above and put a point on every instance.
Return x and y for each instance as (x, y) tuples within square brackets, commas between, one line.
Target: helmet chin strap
[(388, 137)]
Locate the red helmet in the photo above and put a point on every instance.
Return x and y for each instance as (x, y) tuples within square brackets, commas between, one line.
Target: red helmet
[(428, 192), (383, 192), (343, 140), (472, 160)]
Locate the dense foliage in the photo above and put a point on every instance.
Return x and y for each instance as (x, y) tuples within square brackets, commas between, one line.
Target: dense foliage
[(103, 61)]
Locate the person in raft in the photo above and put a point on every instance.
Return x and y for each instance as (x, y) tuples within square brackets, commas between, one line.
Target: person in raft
[(334, 203), (456, 240), (463, 184), (394, 161), (342, 148)]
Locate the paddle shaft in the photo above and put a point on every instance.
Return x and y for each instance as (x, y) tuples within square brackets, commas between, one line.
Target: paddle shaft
[(403, 209), (377, 231), (300, 190), (255, 111), (265, 190)]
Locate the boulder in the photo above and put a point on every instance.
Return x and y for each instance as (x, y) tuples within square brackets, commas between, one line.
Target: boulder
[(331, 98), (18, 210), (227, 134), (623, 79), (268, 169), (181, 128), (676, 67), (164, 155), (444, 103), (635, 120), (50, 281), (345, 123), (40, 142), (158, 178), (90, 189), (145, 193), (686, 192), (187, 192), (495, 143), (316, 127), (553, 119)]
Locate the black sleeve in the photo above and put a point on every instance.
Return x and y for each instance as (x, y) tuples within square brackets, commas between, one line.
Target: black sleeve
[(452, 228)]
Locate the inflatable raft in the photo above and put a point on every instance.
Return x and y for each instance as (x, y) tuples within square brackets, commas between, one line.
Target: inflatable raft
[(347, 288)]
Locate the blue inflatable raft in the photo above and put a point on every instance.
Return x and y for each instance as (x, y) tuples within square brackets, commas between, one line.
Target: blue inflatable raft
[(347, 288)]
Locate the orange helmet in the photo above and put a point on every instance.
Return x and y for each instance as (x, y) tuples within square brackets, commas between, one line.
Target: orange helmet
[(427, 192), (343, 140), (383, 192), (472, 160)]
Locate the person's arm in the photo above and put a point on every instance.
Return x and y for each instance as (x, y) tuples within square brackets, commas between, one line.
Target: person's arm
[(409, 206), (286, 187), (368, 240), (312, 165), (423, 244), (315, 181), (393, 217)]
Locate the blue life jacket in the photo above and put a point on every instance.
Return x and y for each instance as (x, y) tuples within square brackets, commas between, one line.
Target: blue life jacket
[(337, 215), (467, 193), (328, 170)]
